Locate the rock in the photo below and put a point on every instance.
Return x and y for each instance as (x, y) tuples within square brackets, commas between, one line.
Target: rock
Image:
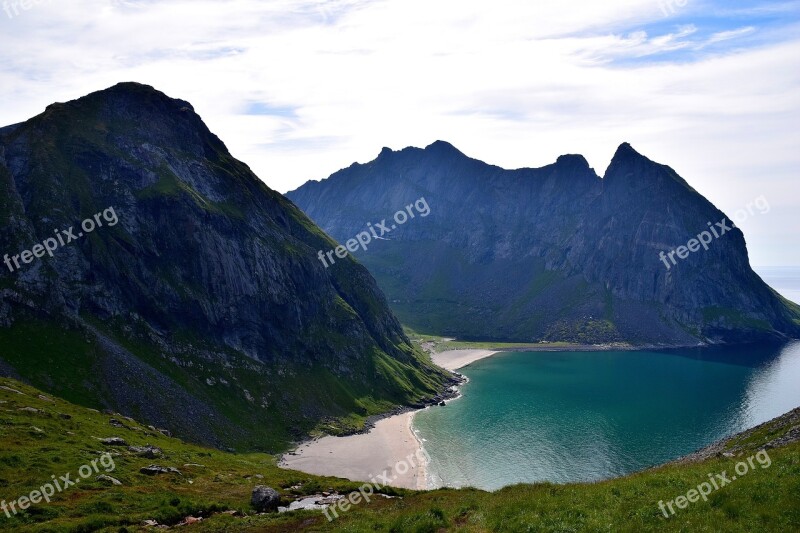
[(149, 452), (150, 523), (165, 432), (265, 499), (116, 423), (45, 398), (190, 520), (108, 479), (155, 470), (114, 441), (442, 404), (9, 389), (65, 416), (28, 410)]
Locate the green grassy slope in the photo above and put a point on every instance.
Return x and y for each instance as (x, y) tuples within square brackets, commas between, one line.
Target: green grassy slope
[(38, 445), (68, 363)]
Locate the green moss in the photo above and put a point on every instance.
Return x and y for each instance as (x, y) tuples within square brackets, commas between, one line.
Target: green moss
[(53, 358), (733, 317)]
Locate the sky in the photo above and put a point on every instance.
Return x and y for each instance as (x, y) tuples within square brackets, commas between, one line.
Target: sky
[(298, 89)]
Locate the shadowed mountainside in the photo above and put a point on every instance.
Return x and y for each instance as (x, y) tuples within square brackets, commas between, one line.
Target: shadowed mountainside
[(203, 309), (554, 253)]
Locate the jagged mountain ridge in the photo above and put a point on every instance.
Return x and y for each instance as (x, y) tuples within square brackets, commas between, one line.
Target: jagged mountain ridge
[(555, 253), (204, 309)]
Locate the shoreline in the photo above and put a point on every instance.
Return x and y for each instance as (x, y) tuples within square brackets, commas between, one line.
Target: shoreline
[(372, 457), (390, 439), (387, 440), (453, 360)]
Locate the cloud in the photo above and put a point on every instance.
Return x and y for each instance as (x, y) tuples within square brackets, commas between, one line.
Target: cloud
[(299, 89)]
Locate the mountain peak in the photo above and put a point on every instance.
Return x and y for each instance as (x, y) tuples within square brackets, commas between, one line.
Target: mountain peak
[(443, 147), (631, 168), (625, 150), (573, 160), (129, 97)]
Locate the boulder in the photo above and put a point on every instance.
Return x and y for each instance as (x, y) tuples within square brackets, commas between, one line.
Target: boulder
[(149, 452), (265, 499), (155, 470)]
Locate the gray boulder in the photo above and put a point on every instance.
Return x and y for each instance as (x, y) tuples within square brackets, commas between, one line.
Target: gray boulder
[(265, 499), (149, 452), (155, 470)]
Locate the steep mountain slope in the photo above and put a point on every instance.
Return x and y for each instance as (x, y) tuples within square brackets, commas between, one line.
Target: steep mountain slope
[(554, 253), (197, 303)]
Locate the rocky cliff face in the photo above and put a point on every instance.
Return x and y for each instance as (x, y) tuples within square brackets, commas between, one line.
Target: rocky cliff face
[(554, 253), (203, 308)]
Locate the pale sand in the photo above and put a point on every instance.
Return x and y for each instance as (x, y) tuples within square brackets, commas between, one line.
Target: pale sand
[(390, 442), (454, 359), (364, 457)]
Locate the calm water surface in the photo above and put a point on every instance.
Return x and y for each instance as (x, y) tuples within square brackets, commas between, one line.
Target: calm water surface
[(572, 416)]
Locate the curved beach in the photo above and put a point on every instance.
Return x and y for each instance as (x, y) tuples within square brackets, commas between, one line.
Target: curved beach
[(390, 448), (364, 457), (454, 359)]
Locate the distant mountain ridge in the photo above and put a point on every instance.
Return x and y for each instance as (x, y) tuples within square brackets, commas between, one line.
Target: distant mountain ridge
[(550, 254), (204, 310)]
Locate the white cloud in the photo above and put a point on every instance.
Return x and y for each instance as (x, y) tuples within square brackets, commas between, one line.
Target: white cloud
[(514, 82)]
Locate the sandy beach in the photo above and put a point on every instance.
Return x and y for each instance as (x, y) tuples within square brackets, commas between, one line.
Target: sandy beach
[(454, 359), (363, 457), (382, 450)]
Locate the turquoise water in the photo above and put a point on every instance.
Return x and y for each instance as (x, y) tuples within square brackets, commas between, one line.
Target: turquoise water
[(564, 417)]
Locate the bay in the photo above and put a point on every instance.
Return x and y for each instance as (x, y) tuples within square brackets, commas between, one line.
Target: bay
[(587, 416)]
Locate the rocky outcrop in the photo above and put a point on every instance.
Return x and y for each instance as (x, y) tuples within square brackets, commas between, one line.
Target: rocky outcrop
[(549, 254)]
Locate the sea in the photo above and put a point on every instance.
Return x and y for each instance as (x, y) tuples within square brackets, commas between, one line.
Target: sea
[(563, 417)]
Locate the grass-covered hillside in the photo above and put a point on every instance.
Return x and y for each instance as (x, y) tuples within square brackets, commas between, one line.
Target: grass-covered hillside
[(42, 437)]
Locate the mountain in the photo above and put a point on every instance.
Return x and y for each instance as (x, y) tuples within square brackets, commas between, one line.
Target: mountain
[(549, 254), (149, 272)]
